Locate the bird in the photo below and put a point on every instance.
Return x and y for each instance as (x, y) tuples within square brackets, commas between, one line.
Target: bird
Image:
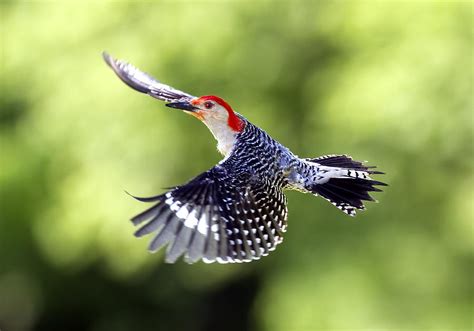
[(237, 211)]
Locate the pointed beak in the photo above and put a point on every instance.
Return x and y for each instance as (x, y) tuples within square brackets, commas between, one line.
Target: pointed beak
[(184, 105)]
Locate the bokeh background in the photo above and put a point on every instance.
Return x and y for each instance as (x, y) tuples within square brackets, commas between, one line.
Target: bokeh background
[(386, 81)]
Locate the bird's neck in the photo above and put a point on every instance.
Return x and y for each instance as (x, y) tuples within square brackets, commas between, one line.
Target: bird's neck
[(225, 136)]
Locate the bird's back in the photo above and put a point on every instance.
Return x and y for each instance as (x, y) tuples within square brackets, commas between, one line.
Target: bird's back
[(259, 155)]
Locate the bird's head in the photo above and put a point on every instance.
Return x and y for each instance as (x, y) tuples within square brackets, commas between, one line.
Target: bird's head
[(212, 110), (218, 116)]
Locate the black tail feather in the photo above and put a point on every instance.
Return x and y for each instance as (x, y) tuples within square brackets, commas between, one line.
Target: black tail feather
[(344, 161), (348, 194), (349, 190)]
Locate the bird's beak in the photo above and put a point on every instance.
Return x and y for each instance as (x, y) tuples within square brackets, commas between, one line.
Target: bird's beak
[(185, 105)]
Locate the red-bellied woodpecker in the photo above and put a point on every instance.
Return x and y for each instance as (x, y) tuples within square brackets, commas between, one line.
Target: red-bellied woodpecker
[(236, 211)]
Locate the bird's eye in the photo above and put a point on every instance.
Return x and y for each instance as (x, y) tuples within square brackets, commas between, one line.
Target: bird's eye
[(208, 105)]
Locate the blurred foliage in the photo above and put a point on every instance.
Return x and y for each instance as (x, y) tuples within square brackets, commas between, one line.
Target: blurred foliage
[(389, 82)]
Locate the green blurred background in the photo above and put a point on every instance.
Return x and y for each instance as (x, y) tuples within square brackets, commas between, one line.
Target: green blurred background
[(390, 82)]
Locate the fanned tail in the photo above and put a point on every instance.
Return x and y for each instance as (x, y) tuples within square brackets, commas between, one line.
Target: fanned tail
[(344, 182)]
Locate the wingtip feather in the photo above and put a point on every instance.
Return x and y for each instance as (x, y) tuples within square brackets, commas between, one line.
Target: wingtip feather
[(107, 58)]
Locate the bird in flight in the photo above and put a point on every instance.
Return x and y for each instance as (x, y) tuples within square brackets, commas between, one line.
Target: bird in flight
[(237, 211)]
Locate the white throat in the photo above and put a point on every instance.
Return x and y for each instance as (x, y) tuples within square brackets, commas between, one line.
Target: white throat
[(224, 135)]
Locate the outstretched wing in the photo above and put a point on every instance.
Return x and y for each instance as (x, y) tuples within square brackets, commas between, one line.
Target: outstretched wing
[(143, 82), (217, 216)]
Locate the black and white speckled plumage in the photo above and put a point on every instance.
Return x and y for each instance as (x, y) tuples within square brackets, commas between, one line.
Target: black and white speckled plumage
[(240, 201), (238, 207), (237, 211)]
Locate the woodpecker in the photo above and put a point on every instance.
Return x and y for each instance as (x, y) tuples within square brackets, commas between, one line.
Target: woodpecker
[(237, 211)]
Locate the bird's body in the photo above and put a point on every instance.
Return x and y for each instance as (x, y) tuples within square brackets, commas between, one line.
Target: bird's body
[(236, 211)]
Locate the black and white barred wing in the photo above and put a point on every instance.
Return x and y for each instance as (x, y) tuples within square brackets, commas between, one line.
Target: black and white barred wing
[(215, 218), (143, 82)]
